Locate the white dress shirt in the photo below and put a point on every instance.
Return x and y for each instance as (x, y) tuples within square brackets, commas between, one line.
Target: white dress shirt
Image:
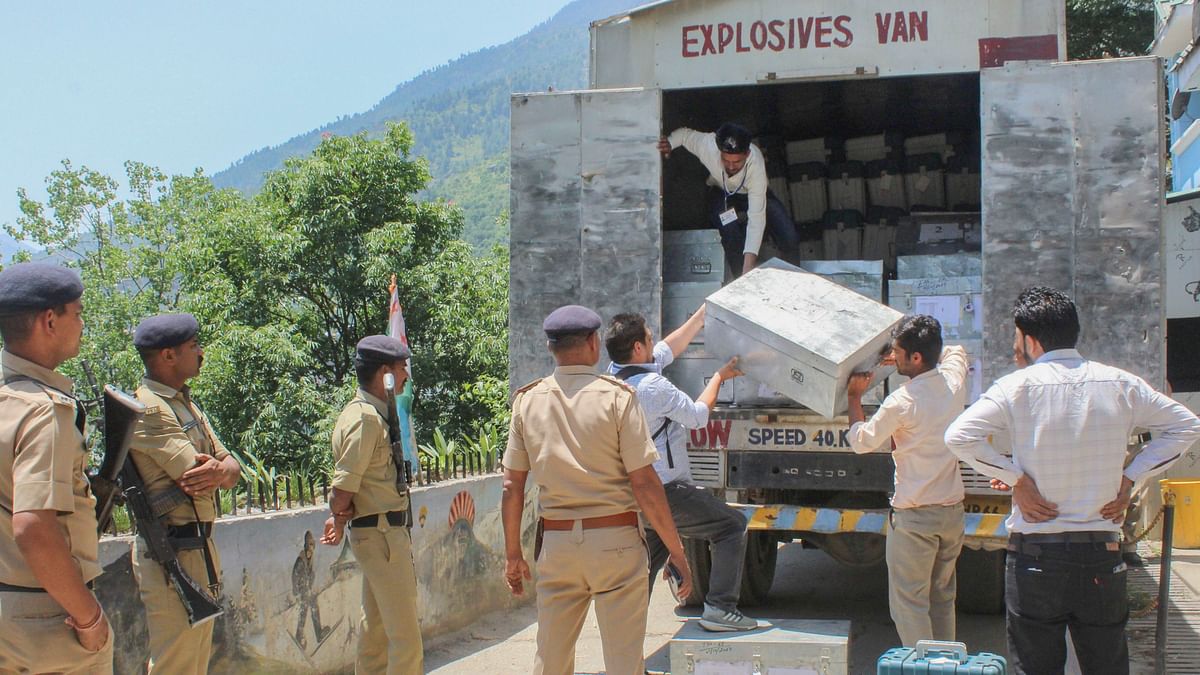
[(1069, 421), (751, 180), (915, 417), (661, 400)]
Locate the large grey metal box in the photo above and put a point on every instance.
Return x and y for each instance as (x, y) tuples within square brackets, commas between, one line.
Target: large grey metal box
[(786, 647), (934, 266), (861, 276), (693, 255), (956, 302), (798, 333), (681, 299), (751, 392), (691, 371)]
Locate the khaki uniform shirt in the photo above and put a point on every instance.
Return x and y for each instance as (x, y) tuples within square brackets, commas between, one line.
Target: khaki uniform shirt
[(42, 459), (165, 442), (362, 457), (580, 434)]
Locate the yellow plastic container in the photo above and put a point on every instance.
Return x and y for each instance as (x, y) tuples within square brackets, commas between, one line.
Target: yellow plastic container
[(1187, 510)]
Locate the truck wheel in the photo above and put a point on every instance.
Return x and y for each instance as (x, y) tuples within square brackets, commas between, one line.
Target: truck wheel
[(981, 581), (854, 549), (696, 552), (762, 550)]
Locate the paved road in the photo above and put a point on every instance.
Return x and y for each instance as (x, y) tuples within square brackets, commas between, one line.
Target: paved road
[(808, 584)]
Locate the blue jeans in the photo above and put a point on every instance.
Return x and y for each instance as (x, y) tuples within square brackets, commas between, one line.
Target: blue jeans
[(698, 514), (1078, 587), (780, 227)]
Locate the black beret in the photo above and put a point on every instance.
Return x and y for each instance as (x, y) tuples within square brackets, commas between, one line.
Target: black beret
[(380, 349), (165, 330), (570, 319), (32, 286), (733, 138)]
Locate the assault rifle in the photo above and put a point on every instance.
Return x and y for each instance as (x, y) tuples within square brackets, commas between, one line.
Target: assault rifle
[(396, 440), (118, 481)]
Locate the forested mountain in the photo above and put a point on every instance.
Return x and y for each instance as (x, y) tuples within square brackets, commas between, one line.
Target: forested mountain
[(458, 113)]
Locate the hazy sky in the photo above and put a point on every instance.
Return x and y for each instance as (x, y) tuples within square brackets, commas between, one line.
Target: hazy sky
[(181, 85)]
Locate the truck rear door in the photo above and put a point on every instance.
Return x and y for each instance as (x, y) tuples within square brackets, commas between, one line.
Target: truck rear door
[(585, 213), (1073, 157)]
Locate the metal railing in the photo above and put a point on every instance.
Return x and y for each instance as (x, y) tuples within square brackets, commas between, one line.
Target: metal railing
[(288, 492)]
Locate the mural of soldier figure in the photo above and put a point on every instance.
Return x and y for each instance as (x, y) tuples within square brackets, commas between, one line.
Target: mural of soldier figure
[(303, 581)]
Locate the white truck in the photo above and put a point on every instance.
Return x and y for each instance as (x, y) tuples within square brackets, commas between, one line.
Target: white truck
[(1069, 185)]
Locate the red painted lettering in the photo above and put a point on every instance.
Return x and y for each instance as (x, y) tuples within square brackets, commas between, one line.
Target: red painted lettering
[(842, 24), (741, 46), (823, 32), (918, 26), (699, 438), (758, 35), (724, 36), (709, 47), (718, 433), (804, 28), (791, 33), (882, 23), (689, 42), (899, 28), (777, 41)]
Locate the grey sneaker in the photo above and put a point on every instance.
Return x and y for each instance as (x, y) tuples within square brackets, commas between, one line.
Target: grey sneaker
[(717, 619)]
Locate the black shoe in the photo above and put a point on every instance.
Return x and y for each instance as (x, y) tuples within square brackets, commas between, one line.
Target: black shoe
[(1132, 559)]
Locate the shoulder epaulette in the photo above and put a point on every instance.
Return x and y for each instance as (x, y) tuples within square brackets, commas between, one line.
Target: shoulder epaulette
[(617, 381), (525, 388)]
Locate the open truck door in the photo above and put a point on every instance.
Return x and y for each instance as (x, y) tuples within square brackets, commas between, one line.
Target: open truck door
[(586, 213), (1073, 158)]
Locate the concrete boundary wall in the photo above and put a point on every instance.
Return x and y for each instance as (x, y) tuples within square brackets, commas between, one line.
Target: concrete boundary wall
[(274, 595)]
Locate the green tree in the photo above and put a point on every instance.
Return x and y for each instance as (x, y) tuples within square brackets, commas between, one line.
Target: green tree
[(1098, 29)]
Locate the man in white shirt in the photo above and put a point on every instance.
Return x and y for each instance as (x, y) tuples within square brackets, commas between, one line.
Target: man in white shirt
[(1069, 421), (741, 206), (926, 521), (696, 511)]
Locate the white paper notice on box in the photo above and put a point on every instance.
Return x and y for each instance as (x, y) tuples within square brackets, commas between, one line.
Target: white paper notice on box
[(799, 334), (779, 647)]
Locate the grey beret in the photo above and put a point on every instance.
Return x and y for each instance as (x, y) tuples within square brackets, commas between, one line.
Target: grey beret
[(380, 349), (570, 319), (32, 286), (165, 330)]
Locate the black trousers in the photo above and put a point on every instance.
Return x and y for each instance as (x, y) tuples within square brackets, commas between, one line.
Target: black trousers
[(1078, 587), (779, 227)]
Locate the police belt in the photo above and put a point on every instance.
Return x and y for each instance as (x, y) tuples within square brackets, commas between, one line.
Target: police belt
[(1031, 544), (394, 518), (629, 518), (189, 536), (13, 588)]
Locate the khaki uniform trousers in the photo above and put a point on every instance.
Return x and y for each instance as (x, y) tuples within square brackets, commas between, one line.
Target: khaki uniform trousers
[(389, 639), (175, 646), (922, 551), (606, 565), (35, 639)]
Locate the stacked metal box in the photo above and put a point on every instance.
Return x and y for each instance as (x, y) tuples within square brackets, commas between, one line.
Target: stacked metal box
[(799, 334), (785, 645), (693, 269)]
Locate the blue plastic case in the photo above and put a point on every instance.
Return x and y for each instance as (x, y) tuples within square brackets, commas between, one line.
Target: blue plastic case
[(946, 658)]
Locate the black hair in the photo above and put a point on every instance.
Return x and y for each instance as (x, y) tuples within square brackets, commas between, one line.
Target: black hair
[(18, 327), (565, 342), (1048, 316), (365, 370), (920, 334), (624, 331)]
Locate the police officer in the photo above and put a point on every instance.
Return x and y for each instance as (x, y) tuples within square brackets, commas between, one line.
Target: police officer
[(182, 463), (584, 438), (366, 494), (49, 619)]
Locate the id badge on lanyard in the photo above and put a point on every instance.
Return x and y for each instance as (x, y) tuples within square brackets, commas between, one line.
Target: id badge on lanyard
[(729, 215)]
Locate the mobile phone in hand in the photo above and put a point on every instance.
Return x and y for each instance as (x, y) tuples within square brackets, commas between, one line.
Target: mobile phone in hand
[(674, 579)]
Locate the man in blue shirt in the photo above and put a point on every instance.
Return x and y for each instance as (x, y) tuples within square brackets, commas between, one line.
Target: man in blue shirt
[(696, 511)]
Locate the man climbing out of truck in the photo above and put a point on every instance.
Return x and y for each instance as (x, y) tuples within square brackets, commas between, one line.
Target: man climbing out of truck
[(697, 513), (926, 521), (740, 204)]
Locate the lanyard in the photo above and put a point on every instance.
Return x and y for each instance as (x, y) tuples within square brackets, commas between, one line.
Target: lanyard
[(725, 187)]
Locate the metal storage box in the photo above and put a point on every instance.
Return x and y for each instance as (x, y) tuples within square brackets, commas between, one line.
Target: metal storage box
[(691, 371), (925, 182), (693, 255), (842, 233), (847, 188), (824, 150), (933, 233), (748, 392), (681, 299), (787, 646), (933, 266), (861, 276), (956, 302), (798, 334), (807, 192), (885, 184), (888, 145)]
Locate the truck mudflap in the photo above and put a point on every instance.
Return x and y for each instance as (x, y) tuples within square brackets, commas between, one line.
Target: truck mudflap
[(981, 530)]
